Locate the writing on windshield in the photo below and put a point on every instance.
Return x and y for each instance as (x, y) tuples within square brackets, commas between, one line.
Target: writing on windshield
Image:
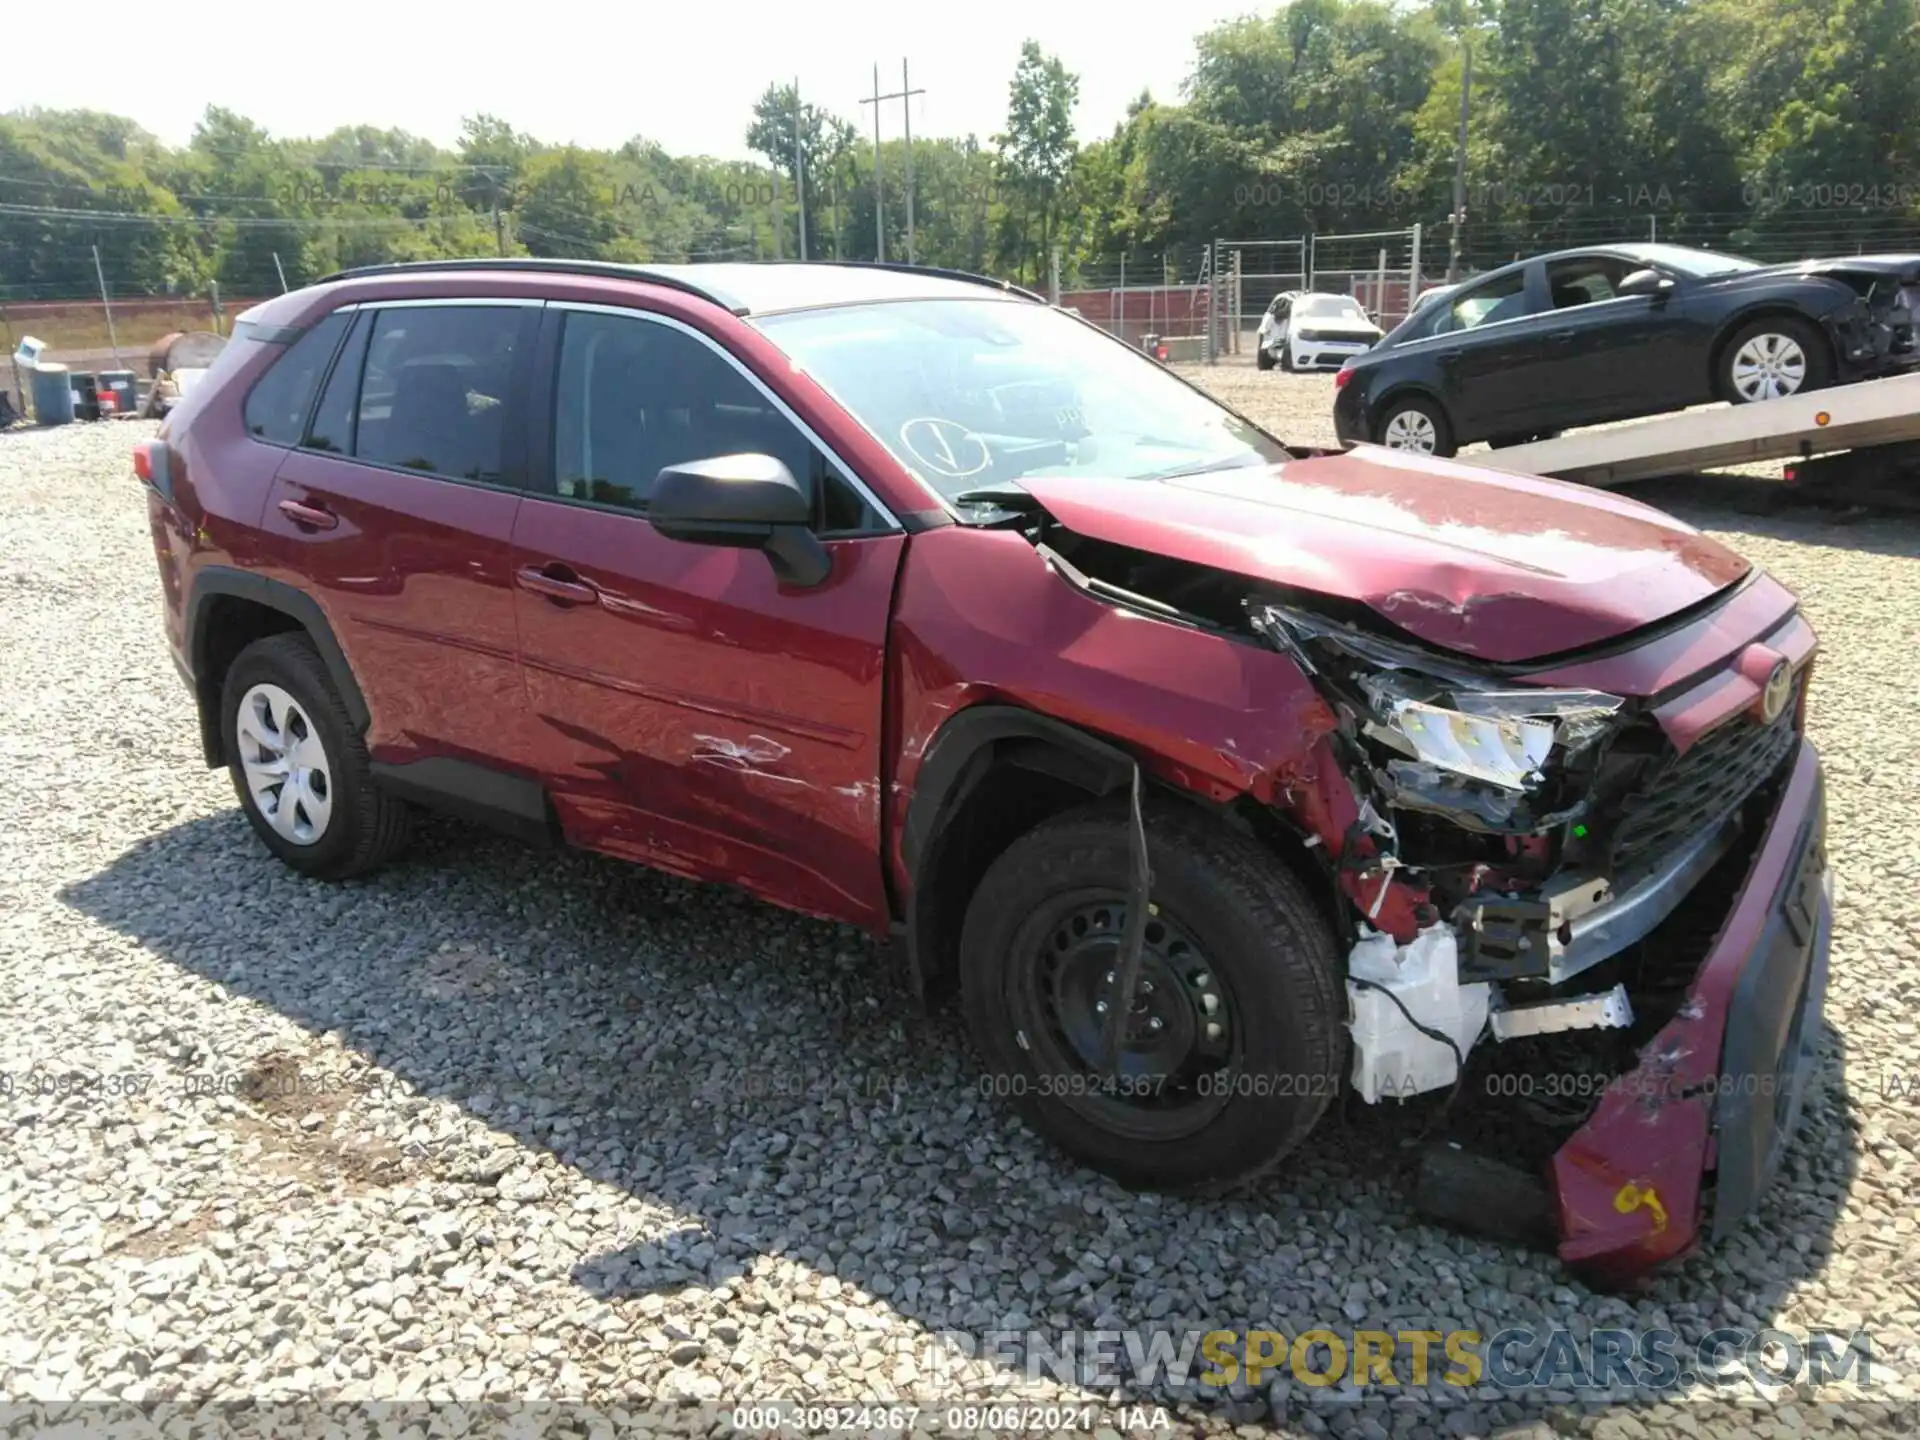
[(970, 394)]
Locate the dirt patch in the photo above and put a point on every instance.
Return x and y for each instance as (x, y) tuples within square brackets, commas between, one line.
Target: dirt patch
[(165, 1240), (294, 1130)]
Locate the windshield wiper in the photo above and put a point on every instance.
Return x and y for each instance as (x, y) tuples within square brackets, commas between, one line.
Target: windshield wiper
[(1230, 462)]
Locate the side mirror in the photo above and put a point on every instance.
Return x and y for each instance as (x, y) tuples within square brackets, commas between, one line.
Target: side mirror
[(1645, 282), (746, 502)]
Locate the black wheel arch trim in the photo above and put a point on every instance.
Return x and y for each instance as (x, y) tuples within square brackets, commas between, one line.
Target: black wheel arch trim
[(217, 581), (961, 754)]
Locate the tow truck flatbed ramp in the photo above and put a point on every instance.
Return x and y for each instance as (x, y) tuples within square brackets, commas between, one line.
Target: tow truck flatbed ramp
[(1844, 417)]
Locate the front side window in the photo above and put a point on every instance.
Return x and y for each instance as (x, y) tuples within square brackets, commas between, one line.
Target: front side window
[(276, 408), (635, 396), (1696, 264), (435, 388), (972, 393), (1585, 281)]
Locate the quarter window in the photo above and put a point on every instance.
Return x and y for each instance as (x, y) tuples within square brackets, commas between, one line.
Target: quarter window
[(635, 396), (276, 408)]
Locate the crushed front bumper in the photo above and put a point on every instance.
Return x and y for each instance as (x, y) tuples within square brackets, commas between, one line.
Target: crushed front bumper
[(1681, 1147), (1326, 354)]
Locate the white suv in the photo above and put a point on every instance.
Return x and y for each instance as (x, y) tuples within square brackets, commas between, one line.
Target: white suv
[(1313, 331)]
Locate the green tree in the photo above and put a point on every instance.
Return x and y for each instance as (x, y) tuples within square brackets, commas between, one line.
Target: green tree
[(1036, 154)]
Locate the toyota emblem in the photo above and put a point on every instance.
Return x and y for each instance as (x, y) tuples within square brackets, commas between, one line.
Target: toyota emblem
[(1773, 699)]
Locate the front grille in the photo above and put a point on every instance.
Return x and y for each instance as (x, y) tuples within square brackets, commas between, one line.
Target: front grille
[(1686, 794)]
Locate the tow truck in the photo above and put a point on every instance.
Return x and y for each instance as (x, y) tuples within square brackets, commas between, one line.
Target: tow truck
[(1851, 440)]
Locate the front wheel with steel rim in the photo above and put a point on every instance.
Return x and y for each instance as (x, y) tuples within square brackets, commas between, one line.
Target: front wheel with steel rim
[(1415, 425), (1772, 358), (300, 767), (1234, 1042)]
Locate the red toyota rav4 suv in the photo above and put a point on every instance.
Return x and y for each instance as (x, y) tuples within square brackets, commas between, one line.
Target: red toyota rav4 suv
[(1222, 777)]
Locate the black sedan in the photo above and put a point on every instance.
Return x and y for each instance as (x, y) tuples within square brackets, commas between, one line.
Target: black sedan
[(1583, 337)]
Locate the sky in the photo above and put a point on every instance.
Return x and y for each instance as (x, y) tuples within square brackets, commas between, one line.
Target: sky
[(685, 76)]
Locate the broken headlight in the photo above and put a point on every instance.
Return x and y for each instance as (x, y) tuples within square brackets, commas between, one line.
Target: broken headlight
[(1443, 737)]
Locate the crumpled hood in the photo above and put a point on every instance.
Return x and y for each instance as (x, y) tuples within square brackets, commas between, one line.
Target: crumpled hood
[(1905, 268), (1503, 567)]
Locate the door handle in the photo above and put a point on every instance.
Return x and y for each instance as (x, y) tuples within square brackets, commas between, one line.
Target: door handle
[(309, 517), (1562, 335), (563, 588)]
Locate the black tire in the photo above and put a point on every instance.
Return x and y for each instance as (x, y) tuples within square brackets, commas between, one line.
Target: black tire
[(1263, 358), (1253, 937), (1443, 441), (1813, 345), (1483, 1196), (366, 827)]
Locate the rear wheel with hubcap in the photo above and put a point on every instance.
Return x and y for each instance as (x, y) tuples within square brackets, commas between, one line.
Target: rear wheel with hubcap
[(1416, 424), (299, 766), (1234, 1042)]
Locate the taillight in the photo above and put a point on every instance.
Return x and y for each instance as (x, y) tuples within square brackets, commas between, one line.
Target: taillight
[(1342, 376), (153, 463)]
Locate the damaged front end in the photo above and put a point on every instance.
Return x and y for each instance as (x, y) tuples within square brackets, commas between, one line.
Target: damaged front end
[(1877, 331), (1581, 884), (1553, 792)]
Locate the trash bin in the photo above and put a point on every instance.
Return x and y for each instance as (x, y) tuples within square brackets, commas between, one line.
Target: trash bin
[(121, 390), (52, 394)]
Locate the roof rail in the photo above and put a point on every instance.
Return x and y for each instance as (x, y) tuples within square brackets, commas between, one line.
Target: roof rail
[(677, 279), (966, 276), (538, 265)]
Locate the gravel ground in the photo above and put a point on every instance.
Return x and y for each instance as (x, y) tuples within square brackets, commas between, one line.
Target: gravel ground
[(498, 1124)]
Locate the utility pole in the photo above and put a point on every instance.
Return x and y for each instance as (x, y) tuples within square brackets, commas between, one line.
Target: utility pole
[(907, 92), (493, 174), (1460, 164), (879, 191), (106, 305), (905, 96), (779, 239), (799, 169)]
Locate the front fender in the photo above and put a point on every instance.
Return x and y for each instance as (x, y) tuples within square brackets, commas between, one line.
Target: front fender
[(984, 624)]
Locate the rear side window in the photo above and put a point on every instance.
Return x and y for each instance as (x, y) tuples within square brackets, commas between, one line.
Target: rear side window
[(276, 408), (332, 427), (1489, 304), (435, 388)]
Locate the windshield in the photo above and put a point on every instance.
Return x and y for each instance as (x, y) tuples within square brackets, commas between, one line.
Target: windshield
[(1332, 307), (1695, 263), (970, 394)]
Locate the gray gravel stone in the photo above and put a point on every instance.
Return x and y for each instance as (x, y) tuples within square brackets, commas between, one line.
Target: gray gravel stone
[(498, 1123)]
